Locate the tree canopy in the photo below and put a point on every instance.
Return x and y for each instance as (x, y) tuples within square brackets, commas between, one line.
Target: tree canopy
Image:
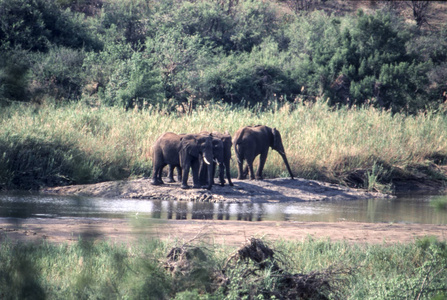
[(137, 53)]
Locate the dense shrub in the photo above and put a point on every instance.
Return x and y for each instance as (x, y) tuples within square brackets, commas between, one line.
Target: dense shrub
[(137, 52), (135, 82), (57, 74), (36, 24), (14, 77)]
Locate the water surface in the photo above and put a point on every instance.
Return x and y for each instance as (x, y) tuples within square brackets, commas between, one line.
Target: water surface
[(399, 210)]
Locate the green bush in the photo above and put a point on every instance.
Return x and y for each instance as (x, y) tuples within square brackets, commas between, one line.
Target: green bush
[(135, 82), (57, 74), (247, 51), (14, 77), (36, 24)]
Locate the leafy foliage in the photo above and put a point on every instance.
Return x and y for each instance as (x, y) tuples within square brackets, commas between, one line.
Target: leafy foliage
[(137, 53)]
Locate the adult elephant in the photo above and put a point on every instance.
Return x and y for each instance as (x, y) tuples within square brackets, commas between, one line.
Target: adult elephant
[(184, 151), (251, 141), (224, 168), (219, 159)]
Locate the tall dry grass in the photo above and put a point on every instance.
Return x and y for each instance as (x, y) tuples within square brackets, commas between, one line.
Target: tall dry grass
[(78, 143)]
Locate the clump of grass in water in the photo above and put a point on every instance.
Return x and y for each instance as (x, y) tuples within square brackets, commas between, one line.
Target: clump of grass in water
[(439, 203)]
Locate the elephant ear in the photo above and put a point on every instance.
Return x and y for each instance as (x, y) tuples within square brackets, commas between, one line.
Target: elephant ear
[(277, 142), (189, 147)]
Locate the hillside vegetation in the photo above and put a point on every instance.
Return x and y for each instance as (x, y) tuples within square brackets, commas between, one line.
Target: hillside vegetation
[(137, 53), (87, 86)]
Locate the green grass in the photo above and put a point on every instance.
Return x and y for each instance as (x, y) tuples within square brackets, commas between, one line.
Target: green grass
[(101, 270), (81, 144), (439, 203)]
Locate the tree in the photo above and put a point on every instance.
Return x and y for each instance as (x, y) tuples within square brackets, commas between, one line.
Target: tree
[(420, 10)]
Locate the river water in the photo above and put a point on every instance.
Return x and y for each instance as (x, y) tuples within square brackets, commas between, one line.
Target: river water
[(404, 209)]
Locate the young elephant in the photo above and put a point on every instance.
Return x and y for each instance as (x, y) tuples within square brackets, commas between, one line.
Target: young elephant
[(184, 151), (251, 141), (224, 169), (165, 152)]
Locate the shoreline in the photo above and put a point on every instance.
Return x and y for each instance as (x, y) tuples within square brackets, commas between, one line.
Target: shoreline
[(230, 233)]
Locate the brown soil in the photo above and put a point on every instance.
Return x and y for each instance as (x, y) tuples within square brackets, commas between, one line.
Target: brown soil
[(231, 233)]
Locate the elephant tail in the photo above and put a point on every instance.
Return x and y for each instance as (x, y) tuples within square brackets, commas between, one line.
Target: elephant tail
[(237, 150)]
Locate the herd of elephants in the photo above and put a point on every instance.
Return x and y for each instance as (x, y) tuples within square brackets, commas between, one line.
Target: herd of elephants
[(203, 151)]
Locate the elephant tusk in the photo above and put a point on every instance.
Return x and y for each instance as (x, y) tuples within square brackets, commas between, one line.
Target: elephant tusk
[(206, 161)]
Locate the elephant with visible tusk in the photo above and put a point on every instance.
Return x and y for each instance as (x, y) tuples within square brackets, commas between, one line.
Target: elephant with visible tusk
[(251, 141), (184, 151), (218, 153), (224, 166)]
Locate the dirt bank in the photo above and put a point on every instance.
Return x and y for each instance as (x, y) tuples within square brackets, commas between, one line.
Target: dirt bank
[(269, 190), (232, 233)]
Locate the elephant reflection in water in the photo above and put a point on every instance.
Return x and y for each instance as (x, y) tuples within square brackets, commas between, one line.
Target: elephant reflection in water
[(156, 210), (181, 211), (223, 211), (170, 209), (246, 213), (202, 211)]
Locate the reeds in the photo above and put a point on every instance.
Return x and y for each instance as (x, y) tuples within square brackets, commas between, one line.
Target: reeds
[(78, 143)]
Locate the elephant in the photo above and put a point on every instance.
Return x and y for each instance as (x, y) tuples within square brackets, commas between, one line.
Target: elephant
[(224, 169), (251, 141), (203, 170), (184, 151), (218, 153), (165, 152), (170, 178)]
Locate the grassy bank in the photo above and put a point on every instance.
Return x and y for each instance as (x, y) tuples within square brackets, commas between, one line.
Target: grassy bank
[(159, 270), (79, 144)]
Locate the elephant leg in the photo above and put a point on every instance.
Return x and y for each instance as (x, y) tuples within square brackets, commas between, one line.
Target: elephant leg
[(214, 172), (249, 157), (246, 171), (171, 174), (251, 171), (222, 174), (195, 165), (262, 159), (179, 174), (228, 172), (240, 170), (203, 173), (156, 174), (185, 171)]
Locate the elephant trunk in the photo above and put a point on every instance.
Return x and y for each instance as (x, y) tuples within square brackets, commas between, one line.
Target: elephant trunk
[(210, 174), (286, 162), (208, 159)]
